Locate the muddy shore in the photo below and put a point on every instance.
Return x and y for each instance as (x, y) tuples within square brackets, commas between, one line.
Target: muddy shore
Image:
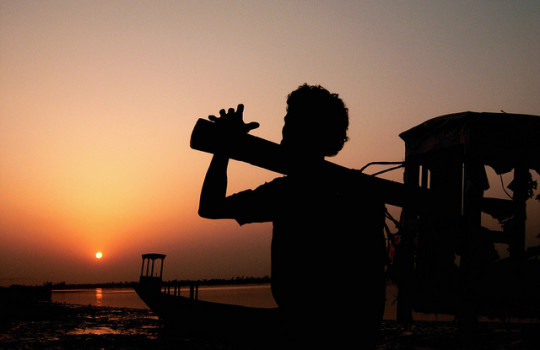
[(63, 326)]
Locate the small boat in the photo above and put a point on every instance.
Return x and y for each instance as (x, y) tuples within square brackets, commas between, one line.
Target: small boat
[(198, 317)]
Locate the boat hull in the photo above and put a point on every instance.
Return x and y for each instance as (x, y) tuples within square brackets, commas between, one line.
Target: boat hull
[(205, 318)]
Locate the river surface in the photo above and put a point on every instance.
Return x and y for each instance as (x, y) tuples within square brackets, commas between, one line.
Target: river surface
[(254, 295)]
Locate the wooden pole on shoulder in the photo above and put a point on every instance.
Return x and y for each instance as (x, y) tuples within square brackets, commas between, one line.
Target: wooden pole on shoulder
[(208, 137)]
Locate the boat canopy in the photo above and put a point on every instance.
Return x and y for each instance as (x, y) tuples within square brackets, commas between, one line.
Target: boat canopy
[(152, 257), (500, 140)]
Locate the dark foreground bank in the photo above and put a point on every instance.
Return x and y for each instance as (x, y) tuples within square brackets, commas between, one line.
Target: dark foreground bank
[(62, 326)]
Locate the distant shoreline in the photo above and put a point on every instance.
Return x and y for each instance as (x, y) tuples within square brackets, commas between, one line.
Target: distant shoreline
[(130, 284)]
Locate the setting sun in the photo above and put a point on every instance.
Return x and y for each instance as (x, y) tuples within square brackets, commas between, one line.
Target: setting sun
[(99, 255)]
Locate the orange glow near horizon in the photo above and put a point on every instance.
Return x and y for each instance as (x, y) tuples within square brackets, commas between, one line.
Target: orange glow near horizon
[(98, 100)]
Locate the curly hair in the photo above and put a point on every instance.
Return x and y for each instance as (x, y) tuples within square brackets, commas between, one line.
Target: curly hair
[(323, 113)]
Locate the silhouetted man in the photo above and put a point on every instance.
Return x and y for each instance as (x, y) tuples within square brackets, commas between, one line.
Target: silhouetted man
[(327, 244)]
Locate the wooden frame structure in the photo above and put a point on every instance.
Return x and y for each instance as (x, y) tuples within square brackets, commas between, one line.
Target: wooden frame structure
[(446, 261)]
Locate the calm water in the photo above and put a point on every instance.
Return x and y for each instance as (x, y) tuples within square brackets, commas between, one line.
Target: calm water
[(113, 297), (247, 295)]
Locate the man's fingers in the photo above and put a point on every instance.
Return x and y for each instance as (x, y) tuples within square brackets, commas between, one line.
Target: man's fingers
[(251, 126), (234, 117), (240, 109)]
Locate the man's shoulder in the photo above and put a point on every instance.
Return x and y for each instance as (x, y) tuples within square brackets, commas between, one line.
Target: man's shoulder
[(274, 184), (268, 187)]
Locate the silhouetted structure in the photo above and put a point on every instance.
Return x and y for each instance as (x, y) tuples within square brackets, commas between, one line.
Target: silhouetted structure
[(445, 261), (150, 279), (239, 325)]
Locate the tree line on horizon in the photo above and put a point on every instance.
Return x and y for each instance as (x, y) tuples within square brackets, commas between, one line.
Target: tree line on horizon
[(130, 284)]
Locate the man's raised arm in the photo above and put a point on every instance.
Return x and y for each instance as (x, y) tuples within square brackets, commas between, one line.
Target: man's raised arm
[(212, 203)]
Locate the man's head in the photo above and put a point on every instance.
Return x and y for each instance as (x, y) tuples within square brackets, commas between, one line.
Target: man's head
[(316, 122)]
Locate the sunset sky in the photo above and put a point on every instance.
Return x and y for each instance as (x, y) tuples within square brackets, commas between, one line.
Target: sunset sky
[(98, 100)]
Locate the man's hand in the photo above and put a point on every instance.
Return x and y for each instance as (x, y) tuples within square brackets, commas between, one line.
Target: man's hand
[(233, 128), (233, 121)]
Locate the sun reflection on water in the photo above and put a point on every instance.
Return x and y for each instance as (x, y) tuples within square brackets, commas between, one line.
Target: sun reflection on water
[(99, 296)]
